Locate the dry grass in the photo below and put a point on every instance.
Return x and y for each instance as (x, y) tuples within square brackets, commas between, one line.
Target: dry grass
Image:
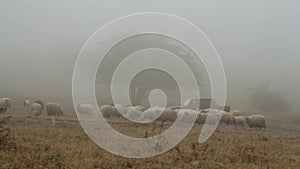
[(35, 143)]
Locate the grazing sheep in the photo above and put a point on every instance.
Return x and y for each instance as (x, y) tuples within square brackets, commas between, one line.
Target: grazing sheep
[(202, 118), (240, 121), (134, 114), (113, 110), (152, 113), (227, 118), (5, 103), (205, 110), (167, 115), (237, 113), (120, 110), (160, 114), (54, 109), (140, 108), (40, 102), (36, 109), (26, 103), (256, 121), (85, 108), (186, 115), (106, 110)]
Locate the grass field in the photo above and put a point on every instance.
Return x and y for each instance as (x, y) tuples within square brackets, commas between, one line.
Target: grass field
[(36, 143)]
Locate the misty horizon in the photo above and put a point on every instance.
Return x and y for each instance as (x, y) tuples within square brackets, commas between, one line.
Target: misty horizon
[(40, 42)]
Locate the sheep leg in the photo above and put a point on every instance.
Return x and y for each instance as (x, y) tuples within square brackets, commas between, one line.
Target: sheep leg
[(162, 124)]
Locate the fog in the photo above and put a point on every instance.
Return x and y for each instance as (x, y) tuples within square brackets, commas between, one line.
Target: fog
[(258, 42)]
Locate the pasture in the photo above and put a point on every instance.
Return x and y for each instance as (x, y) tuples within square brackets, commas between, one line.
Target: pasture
[(35, 143)]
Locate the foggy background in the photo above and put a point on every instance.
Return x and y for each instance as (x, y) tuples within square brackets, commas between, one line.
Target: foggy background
[(258, 42)]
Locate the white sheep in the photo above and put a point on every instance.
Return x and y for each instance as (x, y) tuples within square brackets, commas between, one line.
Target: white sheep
[(5, 104), (106, 110), (159, 114), (85, 109), (237, 113), (168, 115), (227, 118), (152, 113), (113, 110), (202, 117), (187, 115), (40, 102), (140, 108), (26, 103), (120, 110), (54, 109), (134, 114), (256, 121), (240, 121), (36, 109), (205, 110)]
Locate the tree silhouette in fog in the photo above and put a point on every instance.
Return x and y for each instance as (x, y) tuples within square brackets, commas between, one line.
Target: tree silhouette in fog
[(264, 99), (139, 90)]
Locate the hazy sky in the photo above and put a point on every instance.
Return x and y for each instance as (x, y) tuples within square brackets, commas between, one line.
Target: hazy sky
[(40, 40)]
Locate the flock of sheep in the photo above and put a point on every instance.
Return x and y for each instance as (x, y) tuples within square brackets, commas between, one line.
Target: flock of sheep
[(140, 113), (36, 108)]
